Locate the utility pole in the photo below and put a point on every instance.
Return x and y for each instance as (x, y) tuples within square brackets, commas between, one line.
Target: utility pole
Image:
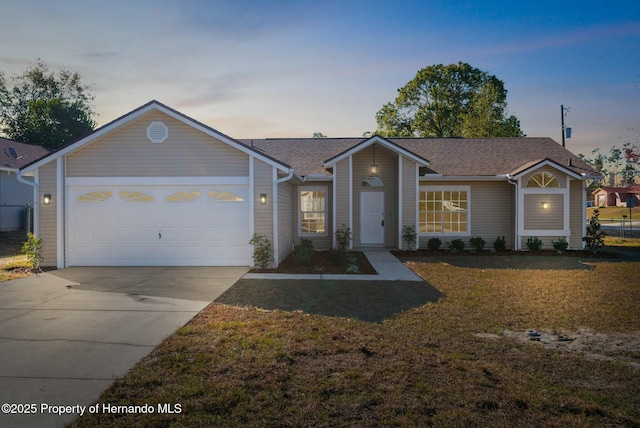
[(562, 120)]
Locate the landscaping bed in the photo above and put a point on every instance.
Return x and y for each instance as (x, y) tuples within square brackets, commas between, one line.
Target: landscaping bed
[(321, 263)]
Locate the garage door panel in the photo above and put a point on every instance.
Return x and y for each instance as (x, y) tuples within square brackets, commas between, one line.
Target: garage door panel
[(157, 225)]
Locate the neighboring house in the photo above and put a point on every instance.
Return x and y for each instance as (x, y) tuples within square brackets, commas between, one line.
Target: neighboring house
[(155, 187), (616, 196), (15, 195)]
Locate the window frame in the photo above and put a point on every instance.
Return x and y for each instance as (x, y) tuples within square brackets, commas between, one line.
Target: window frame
[(324, 189), (425, 188)]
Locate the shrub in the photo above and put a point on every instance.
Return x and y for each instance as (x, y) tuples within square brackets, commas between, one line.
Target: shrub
[(303, 252), (594, 240), (560, 245), (409, 236), (434, 244), (338, 255), (33, 250), (262, 253), (477, 243), (500, 244), (456, 245), (534, 243)]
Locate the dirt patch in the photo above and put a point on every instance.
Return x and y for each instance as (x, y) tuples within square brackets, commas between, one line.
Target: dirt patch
[(372, 301), (619, 347), (321, 263)]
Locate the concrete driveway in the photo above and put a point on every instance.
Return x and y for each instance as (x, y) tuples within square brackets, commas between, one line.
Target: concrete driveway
[(65, 336)]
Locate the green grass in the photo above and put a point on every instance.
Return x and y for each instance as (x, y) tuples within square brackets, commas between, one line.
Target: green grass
[(244, 366), (615, 213)]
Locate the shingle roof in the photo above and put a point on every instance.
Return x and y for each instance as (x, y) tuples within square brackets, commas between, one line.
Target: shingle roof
[(447, 156), (27, 153)]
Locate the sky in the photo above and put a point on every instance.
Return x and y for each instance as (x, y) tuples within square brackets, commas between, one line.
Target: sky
[(260, 69)]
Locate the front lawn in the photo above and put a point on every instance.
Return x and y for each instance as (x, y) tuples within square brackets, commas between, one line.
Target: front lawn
[(466, 360)]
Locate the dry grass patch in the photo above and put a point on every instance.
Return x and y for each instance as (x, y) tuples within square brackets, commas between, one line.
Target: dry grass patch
[(234, 366)]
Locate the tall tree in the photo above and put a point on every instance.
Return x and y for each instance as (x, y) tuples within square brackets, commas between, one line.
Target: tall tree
[(452, 100), (44, 108)]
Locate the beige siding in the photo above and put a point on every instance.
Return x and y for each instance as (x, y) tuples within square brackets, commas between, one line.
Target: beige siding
[(578, 214), (409, 193), (324, 242), (48, 213), (285, 219), (128, 153), (263, 213), (562, 178), (341, 177), (492, 212), (387, 171), (537, 218)]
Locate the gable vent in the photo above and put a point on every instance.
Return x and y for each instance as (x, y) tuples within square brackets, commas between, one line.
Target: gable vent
[(157, 132)]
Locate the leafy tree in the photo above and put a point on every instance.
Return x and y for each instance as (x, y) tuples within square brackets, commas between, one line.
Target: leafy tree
[(318, 134), (619, 168), (44, 108), (451, 100)]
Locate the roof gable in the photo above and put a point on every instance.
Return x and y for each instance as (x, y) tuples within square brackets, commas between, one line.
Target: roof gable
[(141, 111), (376, 139), (536, 164)]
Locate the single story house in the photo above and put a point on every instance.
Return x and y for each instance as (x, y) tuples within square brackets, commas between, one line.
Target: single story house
[(156, 187), (616, 196), (14, 194)]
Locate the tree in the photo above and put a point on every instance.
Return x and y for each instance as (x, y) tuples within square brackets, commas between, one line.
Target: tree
[(446, 101), (44, 108), (318, 134), (620, 168)]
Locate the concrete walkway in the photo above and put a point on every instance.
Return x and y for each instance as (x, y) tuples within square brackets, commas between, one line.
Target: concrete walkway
[(389, 268)]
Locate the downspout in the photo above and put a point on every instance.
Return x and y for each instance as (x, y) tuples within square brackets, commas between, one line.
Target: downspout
[(517, 238), (36, 195)]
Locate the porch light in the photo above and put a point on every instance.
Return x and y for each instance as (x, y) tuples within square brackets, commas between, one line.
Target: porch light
[(545, 205), (46, 199), (374, 165), (263, 198)]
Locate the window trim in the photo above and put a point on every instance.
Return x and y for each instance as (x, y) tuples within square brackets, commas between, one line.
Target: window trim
[(324, 189), (426, 188), (546, 186)]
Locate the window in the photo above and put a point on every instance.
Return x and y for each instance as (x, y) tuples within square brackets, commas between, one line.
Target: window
[(444, 210), (543, 179), (313, 210)]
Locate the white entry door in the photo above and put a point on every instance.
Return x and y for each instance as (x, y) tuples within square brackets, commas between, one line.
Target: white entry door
[(372, 218)]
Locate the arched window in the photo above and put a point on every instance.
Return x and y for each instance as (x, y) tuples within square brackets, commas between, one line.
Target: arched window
[(543, 179)]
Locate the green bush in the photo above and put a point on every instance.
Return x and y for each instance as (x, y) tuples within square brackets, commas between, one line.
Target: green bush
[(409, 236), (303, 252), (456, 245), (477, 243), (434, 244), (339, 256), (594, 240), (534, 243), (33, 250), (262, 253), (500, 244), (560, 245)]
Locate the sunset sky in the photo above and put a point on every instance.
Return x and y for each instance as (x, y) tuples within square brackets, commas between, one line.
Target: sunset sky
[(290, 68)]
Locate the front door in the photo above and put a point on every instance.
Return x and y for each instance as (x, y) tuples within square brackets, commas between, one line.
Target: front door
[(372, 218)]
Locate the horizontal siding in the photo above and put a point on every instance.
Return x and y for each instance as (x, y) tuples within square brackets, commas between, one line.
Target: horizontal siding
[(48, 216), (492, 212), (127, 152), (285, 220), (263, 213), (537, 218), (578, 215), (341, 177), (409, 193)]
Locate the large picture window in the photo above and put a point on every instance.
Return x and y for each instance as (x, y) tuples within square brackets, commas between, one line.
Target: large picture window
[(313, 211), (444, 210)]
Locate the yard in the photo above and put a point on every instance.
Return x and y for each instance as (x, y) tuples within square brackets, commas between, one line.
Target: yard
[(470, 359)]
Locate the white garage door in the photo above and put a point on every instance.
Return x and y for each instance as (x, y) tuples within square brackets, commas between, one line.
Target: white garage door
[(158, 226)]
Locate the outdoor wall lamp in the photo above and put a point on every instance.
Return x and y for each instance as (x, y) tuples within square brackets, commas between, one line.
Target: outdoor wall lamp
[(263, 198), (545, 205), (46, 199)]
